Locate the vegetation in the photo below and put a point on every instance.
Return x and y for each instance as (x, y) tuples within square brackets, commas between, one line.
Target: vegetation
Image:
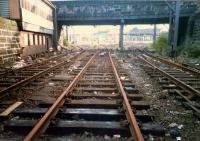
[(189, 50), (65, 43), (161, 45)]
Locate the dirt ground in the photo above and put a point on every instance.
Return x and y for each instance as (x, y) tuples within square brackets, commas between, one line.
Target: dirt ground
[(179, 122)]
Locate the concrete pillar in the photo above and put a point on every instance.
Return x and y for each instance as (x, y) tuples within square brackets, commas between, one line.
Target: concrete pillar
[(121, 40), (154, 34)]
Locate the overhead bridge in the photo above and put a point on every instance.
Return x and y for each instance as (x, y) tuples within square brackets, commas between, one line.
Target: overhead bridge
[(80, 12), (121, 12)]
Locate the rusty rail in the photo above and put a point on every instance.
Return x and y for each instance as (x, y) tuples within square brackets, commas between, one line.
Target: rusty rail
[(189, 69), (179, 83), (43, 123), (30, 65), (135, 130), (5, 91), (189, 101)]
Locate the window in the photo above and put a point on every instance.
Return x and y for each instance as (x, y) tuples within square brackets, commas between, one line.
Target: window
[(44, 40), (39, 8), (31, 39), (28, 39), (40, 39), (26, 5), (35, 39), (25, 39)]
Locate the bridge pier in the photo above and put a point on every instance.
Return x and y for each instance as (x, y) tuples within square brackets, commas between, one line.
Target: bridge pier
[(174, 26), (55, 34), (121, 33), (154, 34), (59, 29)]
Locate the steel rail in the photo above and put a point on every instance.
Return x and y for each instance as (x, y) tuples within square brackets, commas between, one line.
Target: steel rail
[(179, 83), (30, 65), (43, 123), (191, 104), (5, 91), (135, 130), (191, 70)]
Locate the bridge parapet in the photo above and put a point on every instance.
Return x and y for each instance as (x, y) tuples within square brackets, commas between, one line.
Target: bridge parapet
[(111, 12)]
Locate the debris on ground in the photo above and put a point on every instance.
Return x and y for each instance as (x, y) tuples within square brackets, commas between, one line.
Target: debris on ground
[(19, 64), (165, 107)]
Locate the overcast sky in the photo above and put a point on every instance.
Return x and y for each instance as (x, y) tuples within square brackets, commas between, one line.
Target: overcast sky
[(89, 30)]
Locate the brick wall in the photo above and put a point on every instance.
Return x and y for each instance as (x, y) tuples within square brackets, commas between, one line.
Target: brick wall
[(198, 5), (9, 41), (196, 30), (196, 26)]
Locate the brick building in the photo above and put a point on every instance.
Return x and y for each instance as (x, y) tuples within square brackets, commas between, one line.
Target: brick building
[(26, 27)]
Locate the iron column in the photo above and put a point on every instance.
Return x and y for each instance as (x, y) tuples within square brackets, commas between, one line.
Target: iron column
[(55, 34), (154, 34), (121, 40), (176, 26)]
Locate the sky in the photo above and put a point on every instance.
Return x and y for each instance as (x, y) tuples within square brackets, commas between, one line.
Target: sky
[(89, 30)]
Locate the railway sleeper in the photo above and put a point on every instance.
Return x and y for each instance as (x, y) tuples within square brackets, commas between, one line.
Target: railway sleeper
[(65, 127), (183, 79), (173, 86), (138, 105), (134, 97), (192, 107), (187, 82), (66, 138), (84, 114)]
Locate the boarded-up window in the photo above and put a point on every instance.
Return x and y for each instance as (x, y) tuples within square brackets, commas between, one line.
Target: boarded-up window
[(44, 40), (25, 39), (40, 38), (31, 39), (36, 39), (28, 39)]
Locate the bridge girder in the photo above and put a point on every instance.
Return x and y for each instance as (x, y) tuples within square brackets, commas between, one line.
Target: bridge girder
[(102, 12)]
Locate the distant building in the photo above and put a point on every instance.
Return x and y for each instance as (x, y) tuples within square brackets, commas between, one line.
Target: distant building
[(147, 31), (35, 21), (142, 35)]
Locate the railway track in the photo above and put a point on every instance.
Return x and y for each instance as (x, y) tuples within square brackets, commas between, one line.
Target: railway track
[(14, 79), (8, 71), (183, 67), (98, 101), (180, 80)]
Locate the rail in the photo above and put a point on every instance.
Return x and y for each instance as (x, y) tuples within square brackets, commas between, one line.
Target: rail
[(179, 83), (135, 130), (43, 123), (15, 86), (189, 69)]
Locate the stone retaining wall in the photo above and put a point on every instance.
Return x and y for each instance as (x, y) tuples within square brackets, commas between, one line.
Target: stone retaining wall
[(9, 41), (196, 26)]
